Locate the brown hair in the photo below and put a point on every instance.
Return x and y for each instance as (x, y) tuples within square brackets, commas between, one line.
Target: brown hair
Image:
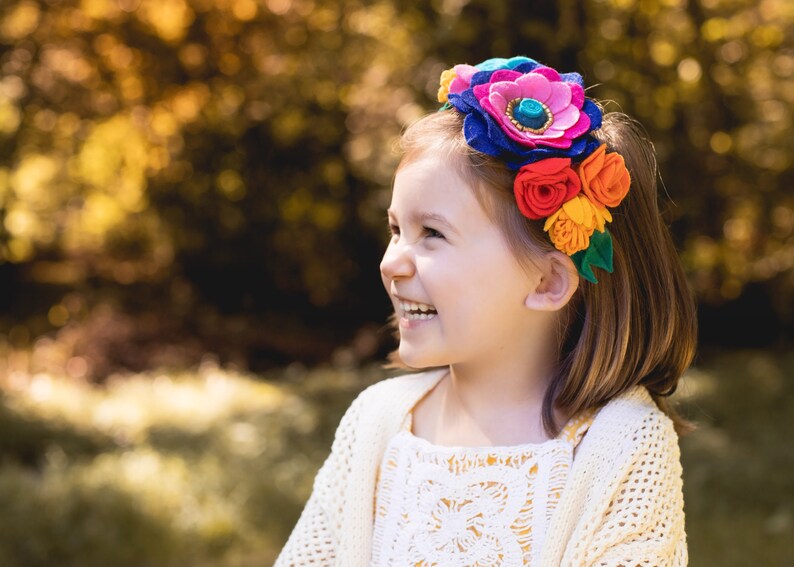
[(638, 324)]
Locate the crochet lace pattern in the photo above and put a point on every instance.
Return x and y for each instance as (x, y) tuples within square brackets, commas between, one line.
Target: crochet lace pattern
[(475, 506)]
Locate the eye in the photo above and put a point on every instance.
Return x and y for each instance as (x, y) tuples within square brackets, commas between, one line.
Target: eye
[(394, 230), (433, 233)]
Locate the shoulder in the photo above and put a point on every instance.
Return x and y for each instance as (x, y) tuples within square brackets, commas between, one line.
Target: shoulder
[(624, 502), (633, 411), (628, 426), (390, 399), (398, 390)]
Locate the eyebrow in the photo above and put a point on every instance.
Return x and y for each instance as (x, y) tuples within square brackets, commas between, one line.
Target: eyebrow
[(425, 215)]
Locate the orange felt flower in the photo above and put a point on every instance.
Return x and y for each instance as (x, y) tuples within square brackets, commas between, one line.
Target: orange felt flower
[(446, 79), (572, 225), (605, 179)]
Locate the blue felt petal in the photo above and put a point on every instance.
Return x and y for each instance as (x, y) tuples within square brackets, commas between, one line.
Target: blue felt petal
[(462, 101), (501, 139), (591, 109), (470, 99), (540, 153), (476, 134), (516, 164), (498, 136), (497, 63), (483, 144), (484, 134), (492, 64), (549, 151), (572, 78), (578, 145), (592, 145), (584, 146), (519, 61), (456, 102), (580, 149), (481, 77), (527, 67)]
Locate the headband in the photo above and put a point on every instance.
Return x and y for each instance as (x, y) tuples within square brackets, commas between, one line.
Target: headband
[(539, 123)]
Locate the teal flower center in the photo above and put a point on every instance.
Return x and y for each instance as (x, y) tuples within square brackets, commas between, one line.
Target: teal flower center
[(529, 115)]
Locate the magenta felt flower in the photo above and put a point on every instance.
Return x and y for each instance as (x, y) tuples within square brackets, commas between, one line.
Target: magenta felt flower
[(537, 108)]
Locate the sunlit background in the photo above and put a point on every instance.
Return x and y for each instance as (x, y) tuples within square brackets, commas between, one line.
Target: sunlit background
[(192, 213)]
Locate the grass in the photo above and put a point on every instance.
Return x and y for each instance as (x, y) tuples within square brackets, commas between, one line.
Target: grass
[(212, 467), (739, 464)]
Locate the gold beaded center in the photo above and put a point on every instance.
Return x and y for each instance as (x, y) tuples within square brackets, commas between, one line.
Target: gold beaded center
[(509, 112)]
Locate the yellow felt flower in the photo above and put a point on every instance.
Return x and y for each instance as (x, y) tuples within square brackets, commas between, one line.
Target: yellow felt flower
[(446, 79), (572, 225)]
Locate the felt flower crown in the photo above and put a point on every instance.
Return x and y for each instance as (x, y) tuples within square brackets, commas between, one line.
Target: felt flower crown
[(539, 123)]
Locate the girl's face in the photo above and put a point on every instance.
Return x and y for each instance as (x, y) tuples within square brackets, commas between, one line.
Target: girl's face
[(462, 268)]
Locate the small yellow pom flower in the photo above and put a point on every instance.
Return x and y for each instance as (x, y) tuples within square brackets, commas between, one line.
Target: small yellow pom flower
[(443, 91), (572, 225)]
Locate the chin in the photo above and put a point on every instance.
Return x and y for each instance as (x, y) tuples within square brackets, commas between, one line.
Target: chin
[(417, 359)]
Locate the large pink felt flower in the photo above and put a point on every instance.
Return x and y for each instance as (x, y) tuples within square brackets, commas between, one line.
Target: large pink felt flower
[(538, 108)]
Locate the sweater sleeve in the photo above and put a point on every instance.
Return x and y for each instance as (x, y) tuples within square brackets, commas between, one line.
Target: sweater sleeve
[(314, 540), (311, 541), (643, 525), (335, 527)]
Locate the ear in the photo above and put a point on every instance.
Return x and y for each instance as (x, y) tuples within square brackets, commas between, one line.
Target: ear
[(559, 280)]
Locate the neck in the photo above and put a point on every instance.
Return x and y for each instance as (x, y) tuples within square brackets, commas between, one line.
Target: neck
[(501, 402), (493, 389)]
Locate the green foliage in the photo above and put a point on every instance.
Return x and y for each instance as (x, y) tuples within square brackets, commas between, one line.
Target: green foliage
[(202, 468), (737, 464), (171, 132)]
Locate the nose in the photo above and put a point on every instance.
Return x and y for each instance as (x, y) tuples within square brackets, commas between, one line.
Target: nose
[(397, 261)]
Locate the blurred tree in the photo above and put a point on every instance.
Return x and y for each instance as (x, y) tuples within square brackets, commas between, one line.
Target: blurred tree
[(231, 144), (714, 83), (242, 149)]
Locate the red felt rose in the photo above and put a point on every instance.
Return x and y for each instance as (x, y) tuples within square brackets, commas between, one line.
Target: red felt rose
[(542, 187)]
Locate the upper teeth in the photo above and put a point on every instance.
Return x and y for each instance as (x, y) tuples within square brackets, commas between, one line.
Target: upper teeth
[(416, 306)]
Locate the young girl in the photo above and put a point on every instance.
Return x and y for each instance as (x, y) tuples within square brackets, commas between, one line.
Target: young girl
[(535, 284)]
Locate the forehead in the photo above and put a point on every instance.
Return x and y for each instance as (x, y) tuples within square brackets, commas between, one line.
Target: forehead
[(432, 186)]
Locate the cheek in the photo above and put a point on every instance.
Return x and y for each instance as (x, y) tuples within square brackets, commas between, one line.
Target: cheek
[(452, 293), (494, 287)]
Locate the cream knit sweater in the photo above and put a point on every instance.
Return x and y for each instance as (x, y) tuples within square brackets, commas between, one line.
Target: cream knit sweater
[(622, 506)]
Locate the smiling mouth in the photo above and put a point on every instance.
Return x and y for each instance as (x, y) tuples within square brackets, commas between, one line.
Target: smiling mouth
[(417, 311)]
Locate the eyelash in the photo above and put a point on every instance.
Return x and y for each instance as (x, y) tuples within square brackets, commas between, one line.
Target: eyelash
[(394, 230)]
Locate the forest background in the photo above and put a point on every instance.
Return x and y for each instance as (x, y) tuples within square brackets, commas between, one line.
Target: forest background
[(192, 214)]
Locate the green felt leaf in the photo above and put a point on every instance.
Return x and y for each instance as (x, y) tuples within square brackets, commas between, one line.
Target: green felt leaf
[(598, 254), (582, 267)]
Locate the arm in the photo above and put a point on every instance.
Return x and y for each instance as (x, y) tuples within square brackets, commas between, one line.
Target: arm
[(643, 524), (311, 541), (315, 539), (336, 525)]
